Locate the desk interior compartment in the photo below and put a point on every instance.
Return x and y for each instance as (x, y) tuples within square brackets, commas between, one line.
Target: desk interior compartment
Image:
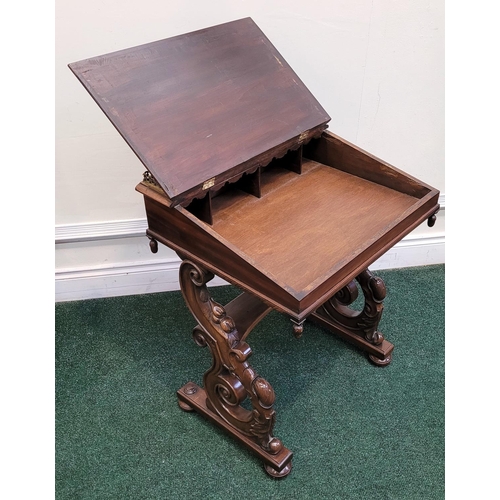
[(341, 203), (253, 183)]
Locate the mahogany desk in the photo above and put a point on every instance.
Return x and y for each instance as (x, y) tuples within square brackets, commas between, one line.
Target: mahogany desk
[(244, 181)]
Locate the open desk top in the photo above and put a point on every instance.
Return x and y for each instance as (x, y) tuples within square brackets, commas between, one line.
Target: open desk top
[(308, 234)]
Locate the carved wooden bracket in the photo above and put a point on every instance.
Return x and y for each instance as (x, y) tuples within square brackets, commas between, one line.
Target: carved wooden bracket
[(359, 327), (366, 321)]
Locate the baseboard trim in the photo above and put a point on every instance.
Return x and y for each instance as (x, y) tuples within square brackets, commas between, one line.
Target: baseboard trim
[(94, 231), (160, 276)]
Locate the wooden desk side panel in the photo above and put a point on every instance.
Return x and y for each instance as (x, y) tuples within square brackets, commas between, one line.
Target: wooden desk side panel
[(336, 152), (174, 229)]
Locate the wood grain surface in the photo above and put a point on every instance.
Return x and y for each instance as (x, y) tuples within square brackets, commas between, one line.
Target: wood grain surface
[(201, 108), (307, 226)]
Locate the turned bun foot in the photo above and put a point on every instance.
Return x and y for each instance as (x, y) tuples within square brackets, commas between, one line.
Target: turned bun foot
[(278, 474), (189, 389), (378, 361), (298, 330), (183, 406), (153, 245)]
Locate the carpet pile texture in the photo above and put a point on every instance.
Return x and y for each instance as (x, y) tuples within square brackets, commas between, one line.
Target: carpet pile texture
[(357, 431)]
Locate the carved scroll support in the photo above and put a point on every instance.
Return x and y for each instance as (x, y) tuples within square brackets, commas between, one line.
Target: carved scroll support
[(359, 327), (231, 380)]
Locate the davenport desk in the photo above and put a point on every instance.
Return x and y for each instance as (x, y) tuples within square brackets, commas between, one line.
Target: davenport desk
[(244, 181)]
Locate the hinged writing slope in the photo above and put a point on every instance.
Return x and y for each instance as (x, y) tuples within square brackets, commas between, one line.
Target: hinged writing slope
[(201, 109)]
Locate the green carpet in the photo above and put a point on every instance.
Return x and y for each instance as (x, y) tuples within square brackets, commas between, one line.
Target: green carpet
[(357, 431)]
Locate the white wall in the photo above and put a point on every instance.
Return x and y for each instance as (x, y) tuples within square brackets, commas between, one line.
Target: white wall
[(376, 66)]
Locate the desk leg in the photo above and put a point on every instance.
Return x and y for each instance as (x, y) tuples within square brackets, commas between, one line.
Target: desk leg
[(230, 380), (358, 327)]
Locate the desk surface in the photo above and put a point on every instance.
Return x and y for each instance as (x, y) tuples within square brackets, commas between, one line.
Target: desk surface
[(306, 227)]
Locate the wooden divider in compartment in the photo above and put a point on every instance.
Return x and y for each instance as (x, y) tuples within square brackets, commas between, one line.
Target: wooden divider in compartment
[(249, 182)]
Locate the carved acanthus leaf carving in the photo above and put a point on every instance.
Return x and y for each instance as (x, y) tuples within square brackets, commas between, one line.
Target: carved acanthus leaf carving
[(364, 322), (231, 379)]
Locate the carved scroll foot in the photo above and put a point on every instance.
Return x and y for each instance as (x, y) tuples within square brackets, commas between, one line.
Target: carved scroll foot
[(358, 327), (231, 379)]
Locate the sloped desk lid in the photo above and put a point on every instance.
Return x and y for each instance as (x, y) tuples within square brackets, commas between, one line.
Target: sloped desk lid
[(201, 109)]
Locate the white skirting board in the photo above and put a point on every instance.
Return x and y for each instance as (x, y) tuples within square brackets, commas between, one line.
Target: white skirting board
[(139, 278)]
